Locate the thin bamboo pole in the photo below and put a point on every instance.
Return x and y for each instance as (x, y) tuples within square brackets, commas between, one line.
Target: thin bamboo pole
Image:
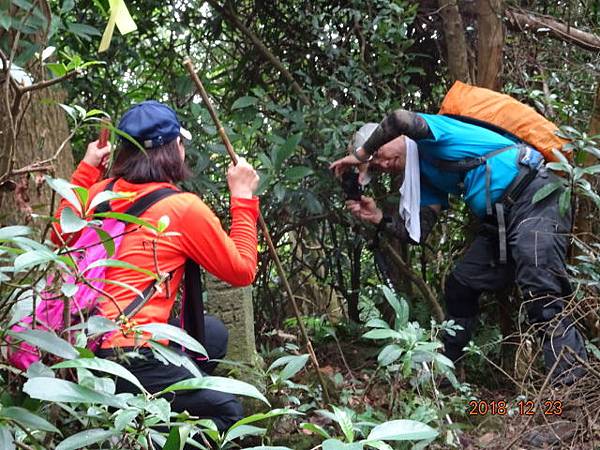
[(190, 68)]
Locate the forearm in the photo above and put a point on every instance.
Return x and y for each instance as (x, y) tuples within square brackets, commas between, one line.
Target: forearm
[(394, 225), (398, 123)]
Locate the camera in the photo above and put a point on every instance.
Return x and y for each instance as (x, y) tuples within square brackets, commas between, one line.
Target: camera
[(350, 185)]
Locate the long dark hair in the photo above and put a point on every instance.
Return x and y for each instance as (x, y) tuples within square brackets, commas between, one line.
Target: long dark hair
[(160, 164)]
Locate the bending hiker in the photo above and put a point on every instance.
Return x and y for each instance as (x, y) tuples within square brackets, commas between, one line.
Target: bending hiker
[(198, 236), (520, 240)]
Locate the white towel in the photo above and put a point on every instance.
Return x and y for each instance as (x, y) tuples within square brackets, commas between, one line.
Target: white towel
[(410, 191)]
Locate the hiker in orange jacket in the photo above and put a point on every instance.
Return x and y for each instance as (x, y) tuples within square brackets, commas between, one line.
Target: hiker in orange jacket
[(196, 234), (520, 241)]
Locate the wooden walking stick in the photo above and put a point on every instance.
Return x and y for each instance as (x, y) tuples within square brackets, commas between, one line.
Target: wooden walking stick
[(263, 226)]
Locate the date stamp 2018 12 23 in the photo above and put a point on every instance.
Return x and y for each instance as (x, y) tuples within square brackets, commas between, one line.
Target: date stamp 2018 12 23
[(521, 408)]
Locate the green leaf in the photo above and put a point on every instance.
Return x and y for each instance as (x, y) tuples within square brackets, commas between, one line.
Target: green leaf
[(243, 431), (124, 417), (82, 30), (297, 173), (317, 429), (5, 21), (82, 193), (120, 264), (293, 365), (159, 407), (100, 324), (70, 222), (545, 191), (244, 102), (135, 290), (6, 438), (175, 334), (173, 440), (128, 218), (105, 196), (28, 419), (591, 169), (285, 151), (87, 437), (57, 69), (57, 390), (220, 384), (67, 6), (261, 416), (7, 233), (170, 356), (389, 354), (377, 323), (65, 190), (399, 305), (564, 201), (345, 423), (559, 167), (102, 365), (106, 240), (401, 430), (46, 341), (335, 444), (34, 258), (383, 334)]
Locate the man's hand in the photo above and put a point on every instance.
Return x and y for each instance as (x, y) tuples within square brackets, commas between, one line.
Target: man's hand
[(97, 156), (343, 164), (366, 210)]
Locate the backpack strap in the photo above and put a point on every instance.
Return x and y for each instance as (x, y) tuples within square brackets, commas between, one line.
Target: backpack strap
[(137, 209), (192, 315), (141, 205), (466, 164), (105, 206), (192, 309)]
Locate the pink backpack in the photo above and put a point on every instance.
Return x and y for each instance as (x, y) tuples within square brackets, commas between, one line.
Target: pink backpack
[(49, 313)]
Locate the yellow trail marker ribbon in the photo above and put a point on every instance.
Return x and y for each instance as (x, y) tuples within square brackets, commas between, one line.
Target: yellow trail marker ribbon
[(119, 16)]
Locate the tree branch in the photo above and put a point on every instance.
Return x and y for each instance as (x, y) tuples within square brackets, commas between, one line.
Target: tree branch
[(522, 20), (237, 23), (48, 83)]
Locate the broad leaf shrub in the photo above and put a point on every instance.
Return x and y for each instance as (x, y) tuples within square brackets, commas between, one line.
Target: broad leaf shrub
[(67, 400)]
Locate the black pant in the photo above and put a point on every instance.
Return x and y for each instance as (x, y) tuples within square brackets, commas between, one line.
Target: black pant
[(537, 239), (224, 409)]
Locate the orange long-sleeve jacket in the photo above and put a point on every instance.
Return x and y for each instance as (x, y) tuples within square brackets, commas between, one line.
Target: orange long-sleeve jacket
[(196, 233)]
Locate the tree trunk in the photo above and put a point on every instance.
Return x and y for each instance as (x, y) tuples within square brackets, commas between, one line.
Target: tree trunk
[(490, 43), (43, 129), (454, 37), (40, 127), (586, 225)]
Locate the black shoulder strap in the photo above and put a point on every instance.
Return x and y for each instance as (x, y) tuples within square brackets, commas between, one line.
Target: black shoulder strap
[(145, 202), (193, 306), (192, 310), (466, 164), (105, 206)]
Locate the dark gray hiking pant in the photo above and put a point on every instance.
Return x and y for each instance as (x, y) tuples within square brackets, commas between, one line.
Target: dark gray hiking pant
[(537, 240)]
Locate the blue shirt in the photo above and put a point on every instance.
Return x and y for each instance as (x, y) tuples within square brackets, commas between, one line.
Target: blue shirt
[(455, 140)]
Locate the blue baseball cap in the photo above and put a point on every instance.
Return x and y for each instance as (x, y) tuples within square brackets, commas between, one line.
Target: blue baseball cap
[(152, 124)]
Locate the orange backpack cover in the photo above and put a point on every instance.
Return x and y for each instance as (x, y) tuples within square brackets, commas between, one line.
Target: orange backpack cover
[(504, 112)]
